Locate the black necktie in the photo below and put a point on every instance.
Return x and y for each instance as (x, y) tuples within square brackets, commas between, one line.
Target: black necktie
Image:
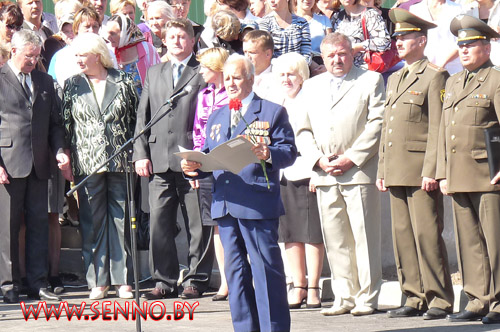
[(24, 83)]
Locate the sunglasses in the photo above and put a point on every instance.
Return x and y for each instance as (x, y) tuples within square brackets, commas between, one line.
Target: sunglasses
[(14, 27)]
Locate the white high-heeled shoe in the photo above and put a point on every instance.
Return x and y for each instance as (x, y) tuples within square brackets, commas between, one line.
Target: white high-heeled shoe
[(97, 294), (124, 293)]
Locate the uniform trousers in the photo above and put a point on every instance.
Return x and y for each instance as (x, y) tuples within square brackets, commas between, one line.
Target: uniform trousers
[(264, 308), (419, 248), (29, 196), (477, 232), (102, 202), (350, 221)]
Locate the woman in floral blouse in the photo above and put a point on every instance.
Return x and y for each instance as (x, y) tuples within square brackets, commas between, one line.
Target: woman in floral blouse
[(99, 114), (290, 32), (348, 21)]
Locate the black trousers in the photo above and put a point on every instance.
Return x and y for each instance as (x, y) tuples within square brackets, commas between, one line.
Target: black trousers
[(29, 196), (167, 192)]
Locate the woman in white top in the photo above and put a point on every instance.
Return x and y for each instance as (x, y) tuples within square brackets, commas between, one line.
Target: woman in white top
[(300, 227)]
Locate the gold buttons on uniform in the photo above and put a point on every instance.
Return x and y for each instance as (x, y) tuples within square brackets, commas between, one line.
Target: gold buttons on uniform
[(390, 144), (390, 131), (456, 109), (394, 106), (453, 123), (453, 137), (453, 150), (391, 118)]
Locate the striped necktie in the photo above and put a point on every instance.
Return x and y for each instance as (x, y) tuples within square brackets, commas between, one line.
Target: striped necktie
[(24, 83)]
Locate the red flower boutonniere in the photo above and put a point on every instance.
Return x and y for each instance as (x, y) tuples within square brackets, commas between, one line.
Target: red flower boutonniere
[(235, 104)]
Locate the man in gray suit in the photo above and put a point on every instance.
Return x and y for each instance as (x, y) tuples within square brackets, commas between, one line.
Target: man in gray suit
[(153, 156), (29, 124)]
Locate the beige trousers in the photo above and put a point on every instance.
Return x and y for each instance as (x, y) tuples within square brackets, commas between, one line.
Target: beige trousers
[(350, 221)]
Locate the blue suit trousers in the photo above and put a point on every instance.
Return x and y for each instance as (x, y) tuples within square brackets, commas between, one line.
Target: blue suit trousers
[(265, 307)]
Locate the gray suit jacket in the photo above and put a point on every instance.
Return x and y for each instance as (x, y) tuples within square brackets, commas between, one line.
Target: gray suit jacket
[(27, 131), (159, 144)]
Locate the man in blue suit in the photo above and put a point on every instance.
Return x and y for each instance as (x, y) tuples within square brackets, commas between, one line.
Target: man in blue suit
[(246, 210)]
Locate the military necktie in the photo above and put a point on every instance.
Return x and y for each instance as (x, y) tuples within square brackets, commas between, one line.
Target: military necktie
[(404, 74), (468, 78)]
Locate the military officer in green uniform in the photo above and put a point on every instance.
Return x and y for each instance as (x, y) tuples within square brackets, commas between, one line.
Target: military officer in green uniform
[(472, 104), (407, 168)]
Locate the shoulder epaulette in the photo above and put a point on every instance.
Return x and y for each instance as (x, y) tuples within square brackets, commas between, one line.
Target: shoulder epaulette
[(435, 67)]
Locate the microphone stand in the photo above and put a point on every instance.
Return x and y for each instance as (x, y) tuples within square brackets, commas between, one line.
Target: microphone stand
[(127, 150)]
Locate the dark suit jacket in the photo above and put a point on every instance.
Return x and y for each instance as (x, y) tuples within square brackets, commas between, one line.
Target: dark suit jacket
[(26, 131), (176, 128), (245, 195)]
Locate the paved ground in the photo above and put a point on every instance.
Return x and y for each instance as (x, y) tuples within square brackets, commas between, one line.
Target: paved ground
[(215, 316)]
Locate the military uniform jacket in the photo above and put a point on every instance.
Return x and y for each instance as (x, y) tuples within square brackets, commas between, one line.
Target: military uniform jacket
[(408, 146), (462, 156)]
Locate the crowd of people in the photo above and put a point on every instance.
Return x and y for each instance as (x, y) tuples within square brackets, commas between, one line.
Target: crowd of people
[(328, 135)]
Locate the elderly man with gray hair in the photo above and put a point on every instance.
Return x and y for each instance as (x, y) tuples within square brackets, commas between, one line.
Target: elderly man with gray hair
[(29, 124), (247, 205)]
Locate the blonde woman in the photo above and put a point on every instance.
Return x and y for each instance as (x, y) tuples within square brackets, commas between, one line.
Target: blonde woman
[(124, 7), (99, 114), (300, 227), (210, 99)]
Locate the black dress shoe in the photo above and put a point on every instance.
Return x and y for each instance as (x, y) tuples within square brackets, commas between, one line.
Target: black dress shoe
[(492, 318), (435, 313), (158, 294), (464, 316), (56, 285), (219, 297), (11, 296), (404, 312), (190, 292), (45, 295)]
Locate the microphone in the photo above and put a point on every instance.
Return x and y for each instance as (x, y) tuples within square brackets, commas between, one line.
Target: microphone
[(183, 93)]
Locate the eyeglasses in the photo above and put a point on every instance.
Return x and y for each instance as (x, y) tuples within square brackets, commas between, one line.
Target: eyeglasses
[(32, 57), (14, 27)]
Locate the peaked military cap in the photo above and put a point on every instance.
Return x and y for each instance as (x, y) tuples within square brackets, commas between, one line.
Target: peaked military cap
[(406, 22), (469, 29)]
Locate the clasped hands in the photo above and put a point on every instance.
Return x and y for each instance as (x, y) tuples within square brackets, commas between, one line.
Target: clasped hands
[(335, 165)]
